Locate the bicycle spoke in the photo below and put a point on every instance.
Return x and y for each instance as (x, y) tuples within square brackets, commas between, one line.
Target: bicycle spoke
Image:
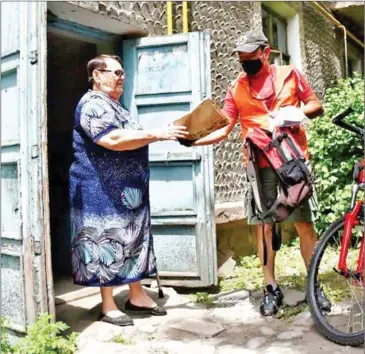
[(345, 293)]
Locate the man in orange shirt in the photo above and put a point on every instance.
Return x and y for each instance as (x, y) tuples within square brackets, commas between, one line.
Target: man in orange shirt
[(254, 98)]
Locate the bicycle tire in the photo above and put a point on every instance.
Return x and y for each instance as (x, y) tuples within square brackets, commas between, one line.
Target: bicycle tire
[(323, 327)]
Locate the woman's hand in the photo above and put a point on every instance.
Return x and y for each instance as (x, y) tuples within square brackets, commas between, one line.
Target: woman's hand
[(172, 132)]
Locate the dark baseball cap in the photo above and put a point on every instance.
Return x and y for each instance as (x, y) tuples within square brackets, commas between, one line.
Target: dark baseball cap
[(250, 41)]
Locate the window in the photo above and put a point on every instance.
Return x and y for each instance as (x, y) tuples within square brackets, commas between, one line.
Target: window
[(275, 29), (354, 65)]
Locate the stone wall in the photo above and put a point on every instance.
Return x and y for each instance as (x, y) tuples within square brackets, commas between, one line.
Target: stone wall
[(324, 50)]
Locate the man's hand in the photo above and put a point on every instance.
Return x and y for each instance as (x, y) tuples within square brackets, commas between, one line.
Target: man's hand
[(312, 107), (286, 116)]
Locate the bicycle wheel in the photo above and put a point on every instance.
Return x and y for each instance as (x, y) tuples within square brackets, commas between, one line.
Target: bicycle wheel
[(344, 323)]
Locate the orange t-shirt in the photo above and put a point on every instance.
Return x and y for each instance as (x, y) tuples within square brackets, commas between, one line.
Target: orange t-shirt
[(262, 85)]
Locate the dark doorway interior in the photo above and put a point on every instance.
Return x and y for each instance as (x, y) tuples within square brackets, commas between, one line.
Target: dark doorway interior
[(67, 82)]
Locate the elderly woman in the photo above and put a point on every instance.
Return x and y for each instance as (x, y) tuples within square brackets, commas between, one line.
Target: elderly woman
[(109, 194)]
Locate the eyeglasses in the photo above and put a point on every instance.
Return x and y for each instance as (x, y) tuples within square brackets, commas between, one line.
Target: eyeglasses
[(118, 73)]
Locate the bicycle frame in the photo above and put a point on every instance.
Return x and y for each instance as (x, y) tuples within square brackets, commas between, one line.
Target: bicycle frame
[(351, 220)]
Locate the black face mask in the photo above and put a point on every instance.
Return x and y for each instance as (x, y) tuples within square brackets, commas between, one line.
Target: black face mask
[(251, 67)]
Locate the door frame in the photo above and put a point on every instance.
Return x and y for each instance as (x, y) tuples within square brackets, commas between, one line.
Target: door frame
[(72, 30)]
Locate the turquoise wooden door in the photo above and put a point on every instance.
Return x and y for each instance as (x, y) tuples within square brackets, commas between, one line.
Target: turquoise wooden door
[(25, 286), (166, 77)]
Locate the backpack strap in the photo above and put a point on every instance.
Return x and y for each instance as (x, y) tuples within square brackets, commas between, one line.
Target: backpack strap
[(293, 146), (275, 239), (252, 175), (264, 243), (276, 236)]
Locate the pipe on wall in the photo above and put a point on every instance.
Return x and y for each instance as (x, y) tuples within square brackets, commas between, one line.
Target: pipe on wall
[(185, 16), (337, 23), (346, 55), (346, 32), (169, 17)]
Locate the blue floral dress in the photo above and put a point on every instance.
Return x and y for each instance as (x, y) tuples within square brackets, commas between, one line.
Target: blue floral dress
[(109, 199)]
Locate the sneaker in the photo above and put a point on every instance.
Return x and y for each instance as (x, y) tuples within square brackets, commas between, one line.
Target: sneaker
[(323, 302), (273, 299)]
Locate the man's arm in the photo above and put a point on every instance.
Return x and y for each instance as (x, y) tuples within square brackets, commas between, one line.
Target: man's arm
[(312, 106), (218, 135), (231, 112)]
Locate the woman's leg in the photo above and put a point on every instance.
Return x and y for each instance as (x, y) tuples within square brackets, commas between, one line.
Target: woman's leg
[(108, 303), (138, 296), (110, 312)]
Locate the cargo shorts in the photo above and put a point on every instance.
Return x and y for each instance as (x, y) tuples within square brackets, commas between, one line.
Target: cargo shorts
[(269, 186)]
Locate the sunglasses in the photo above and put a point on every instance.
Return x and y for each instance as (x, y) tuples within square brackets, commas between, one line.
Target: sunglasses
[(118, 73)]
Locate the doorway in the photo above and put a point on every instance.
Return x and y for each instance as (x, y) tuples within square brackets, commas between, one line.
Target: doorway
[(67, 82)]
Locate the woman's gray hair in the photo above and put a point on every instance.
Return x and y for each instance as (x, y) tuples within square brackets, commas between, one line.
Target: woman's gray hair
[(98, 63)]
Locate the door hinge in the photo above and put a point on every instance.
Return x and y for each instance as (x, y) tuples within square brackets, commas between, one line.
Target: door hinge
[(35, 151), (33, 56), (37, 248)]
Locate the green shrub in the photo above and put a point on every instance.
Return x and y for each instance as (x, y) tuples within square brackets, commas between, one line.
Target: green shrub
[(334, 150), (43, 337), (5, 346), (121, 340), (203, 298)]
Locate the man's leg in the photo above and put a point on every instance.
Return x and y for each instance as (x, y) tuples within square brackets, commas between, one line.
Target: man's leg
[(307, 240), (272, 294), (269, 269)]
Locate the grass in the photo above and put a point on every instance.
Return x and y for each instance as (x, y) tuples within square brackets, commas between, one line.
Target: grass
[(290, 273), (203, 298), (121, 340)]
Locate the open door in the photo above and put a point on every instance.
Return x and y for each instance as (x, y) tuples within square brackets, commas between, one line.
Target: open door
[(26, 285), (165, 78)]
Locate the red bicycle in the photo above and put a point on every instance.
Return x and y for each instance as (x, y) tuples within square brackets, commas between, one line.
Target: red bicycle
[(337, 265)]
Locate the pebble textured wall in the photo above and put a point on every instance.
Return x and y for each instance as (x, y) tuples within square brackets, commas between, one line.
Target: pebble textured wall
[(225, 21), (324, 50)]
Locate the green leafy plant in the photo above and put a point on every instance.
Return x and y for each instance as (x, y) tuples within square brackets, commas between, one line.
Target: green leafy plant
[(290, 273), (248, 275), (334, 150), (121, 340), (44, 337), (5, 346), (203, 298)]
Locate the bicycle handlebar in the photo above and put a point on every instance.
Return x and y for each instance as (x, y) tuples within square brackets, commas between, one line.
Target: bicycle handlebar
[(342, 115), (338, 120)]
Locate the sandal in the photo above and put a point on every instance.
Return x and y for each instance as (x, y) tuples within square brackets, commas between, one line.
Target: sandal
[(154, 311), (122, 320)]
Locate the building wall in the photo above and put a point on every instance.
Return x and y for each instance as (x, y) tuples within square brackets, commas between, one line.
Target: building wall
[(321, 55), (318, 51), (226, 21), (324, 50)]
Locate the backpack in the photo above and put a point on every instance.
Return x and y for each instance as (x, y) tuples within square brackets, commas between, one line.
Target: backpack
[(295, 178)]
